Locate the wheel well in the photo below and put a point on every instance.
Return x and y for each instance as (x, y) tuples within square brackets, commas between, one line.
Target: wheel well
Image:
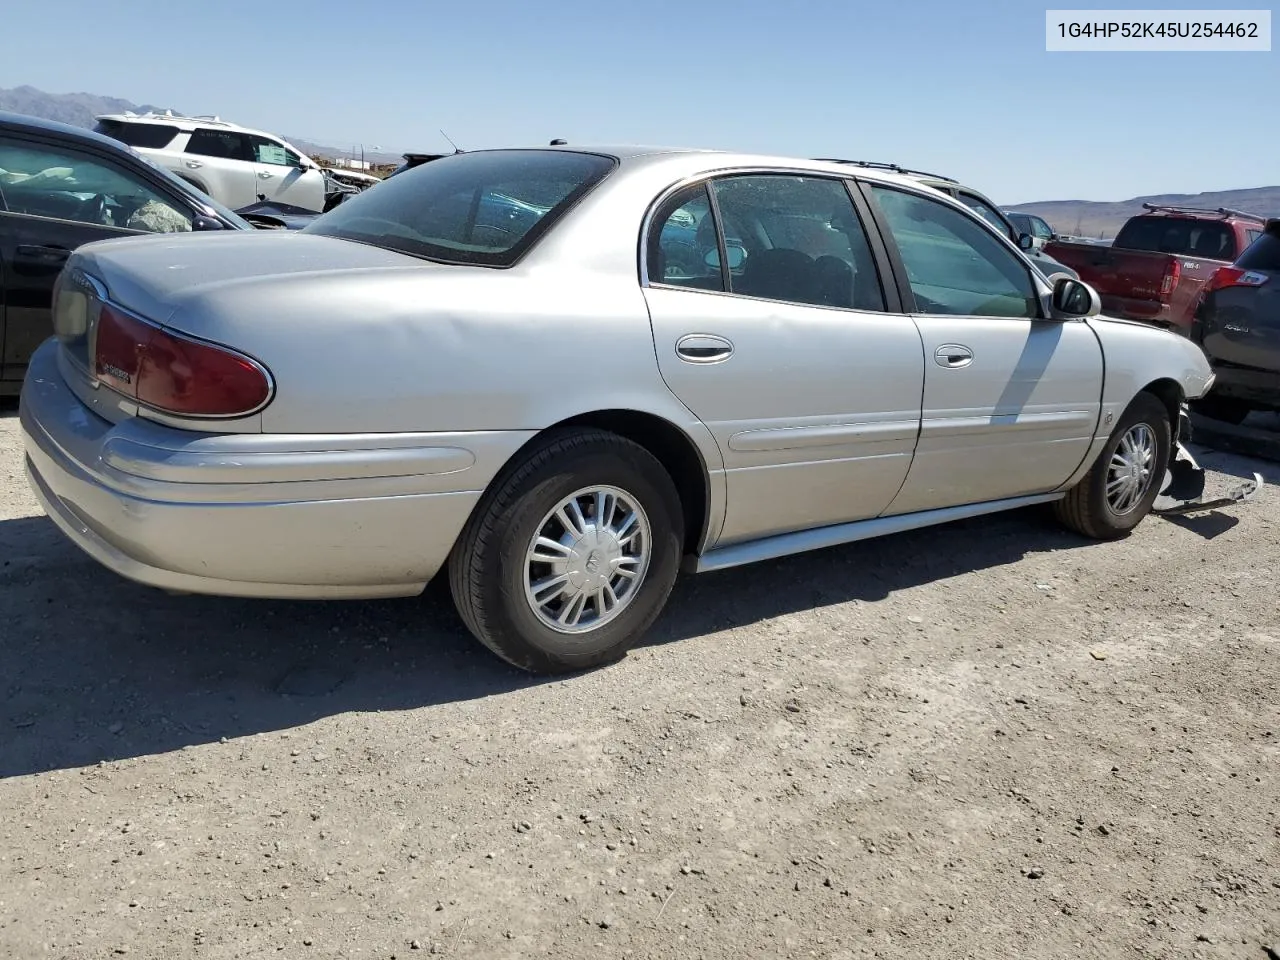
[(1170, 394), (673, 449)]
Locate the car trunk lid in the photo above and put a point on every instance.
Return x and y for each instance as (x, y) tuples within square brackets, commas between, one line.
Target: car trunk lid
[(152, 279)]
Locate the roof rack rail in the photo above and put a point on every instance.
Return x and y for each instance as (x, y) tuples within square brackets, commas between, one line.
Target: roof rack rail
[(170, 115), (892, 167), (201, 117), (1221, 211)]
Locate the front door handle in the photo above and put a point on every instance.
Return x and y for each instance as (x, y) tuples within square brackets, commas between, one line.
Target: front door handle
[(265, 174), (45, 254), (953, 355), (703, 348), (194, 164)]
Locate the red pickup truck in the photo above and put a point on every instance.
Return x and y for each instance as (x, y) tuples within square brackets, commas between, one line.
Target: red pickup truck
[(1160, 260)]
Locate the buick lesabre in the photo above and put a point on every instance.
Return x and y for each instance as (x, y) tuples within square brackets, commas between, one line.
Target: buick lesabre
[(554, 376)]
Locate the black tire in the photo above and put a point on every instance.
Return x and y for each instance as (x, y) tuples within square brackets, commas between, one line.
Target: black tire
[(1224, 409), (487, 568), (1086, 509)]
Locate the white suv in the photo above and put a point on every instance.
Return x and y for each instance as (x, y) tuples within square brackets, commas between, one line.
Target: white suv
[(233, 164)]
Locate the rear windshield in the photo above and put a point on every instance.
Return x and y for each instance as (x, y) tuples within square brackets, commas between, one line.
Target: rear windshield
[(1182, 236), (1263, 253), (485, 208), (153, 135)]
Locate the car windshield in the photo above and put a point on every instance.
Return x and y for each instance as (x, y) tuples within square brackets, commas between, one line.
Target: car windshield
[(484, 208)]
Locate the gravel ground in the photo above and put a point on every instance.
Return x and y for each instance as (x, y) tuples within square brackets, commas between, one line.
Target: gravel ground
[(987, 740)]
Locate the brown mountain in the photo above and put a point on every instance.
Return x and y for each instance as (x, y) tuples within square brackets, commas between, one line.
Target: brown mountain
[(1088, 218)]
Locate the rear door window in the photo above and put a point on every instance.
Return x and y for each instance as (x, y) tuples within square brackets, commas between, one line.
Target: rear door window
[(683, 246), (153, 136), (797, 239), (224, 144)]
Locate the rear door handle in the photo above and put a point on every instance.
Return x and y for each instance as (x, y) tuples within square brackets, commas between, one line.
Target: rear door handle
[(46, 254), (703, 348), (265, 174), (194, 164), (953, 355)]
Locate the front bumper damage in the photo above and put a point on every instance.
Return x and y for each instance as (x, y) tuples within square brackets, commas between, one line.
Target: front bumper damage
[(1184, 480)]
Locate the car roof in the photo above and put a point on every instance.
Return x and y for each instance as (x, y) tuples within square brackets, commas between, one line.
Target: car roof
[(693, 161), (27, 124)]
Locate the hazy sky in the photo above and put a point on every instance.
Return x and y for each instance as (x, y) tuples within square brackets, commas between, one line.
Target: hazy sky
[(960, 88)]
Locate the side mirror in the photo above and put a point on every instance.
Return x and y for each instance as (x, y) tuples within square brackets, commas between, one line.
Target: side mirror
[(737, 256), (202, 222), (1026, 241), (1074, 298)]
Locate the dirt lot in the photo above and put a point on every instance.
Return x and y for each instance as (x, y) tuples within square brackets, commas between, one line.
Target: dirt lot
[(990, 740)]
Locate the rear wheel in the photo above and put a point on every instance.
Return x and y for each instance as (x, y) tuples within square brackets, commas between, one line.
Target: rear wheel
[(571, 556), (1225, 409), (1123, 483)]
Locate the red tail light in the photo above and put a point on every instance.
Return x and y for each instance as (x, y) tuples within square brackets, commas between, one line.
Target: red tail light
[(1172, 274), (1234, 277), (174, 374)]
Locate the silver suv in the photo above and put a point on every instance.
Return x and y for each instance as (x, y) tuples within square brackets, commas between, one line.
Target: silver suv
[(235, 165)]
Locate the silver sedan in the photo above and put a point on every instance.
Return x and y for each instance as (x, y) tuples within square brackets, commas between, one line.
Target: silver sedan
[(556, 375)]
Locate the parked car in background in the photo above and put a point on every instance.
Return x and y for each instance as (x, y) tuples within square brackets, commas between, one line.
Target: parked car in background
[(350, 409), (63, 186), (1160, 260), (980, 205), (357, 179), (412, 160), (235, 165), (1035, 227), (1237, 323)]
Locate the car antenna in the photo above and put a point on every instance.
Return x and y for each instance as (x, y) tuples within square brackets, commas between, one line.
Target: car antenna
[(451, 143)]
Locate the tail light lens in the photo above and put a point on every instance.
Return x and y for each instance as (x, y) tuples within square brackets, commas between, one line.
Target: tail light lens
[(175, 374), (1234, 277), (1172, 274)]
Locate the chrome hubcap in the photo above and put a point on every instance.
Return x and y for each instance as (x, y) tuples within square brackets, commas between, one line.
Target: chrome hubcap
[(587, 559), (1131, 469)]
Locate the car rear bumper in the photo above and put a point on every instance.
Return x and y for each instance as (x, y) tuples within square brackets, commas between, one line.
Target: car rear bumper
[(1247, 383), (256, 515)]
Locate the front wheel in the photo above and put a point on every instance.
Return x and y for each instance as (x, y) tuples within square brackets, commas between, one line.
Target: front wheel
[(570, 558), (1123, 483)]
